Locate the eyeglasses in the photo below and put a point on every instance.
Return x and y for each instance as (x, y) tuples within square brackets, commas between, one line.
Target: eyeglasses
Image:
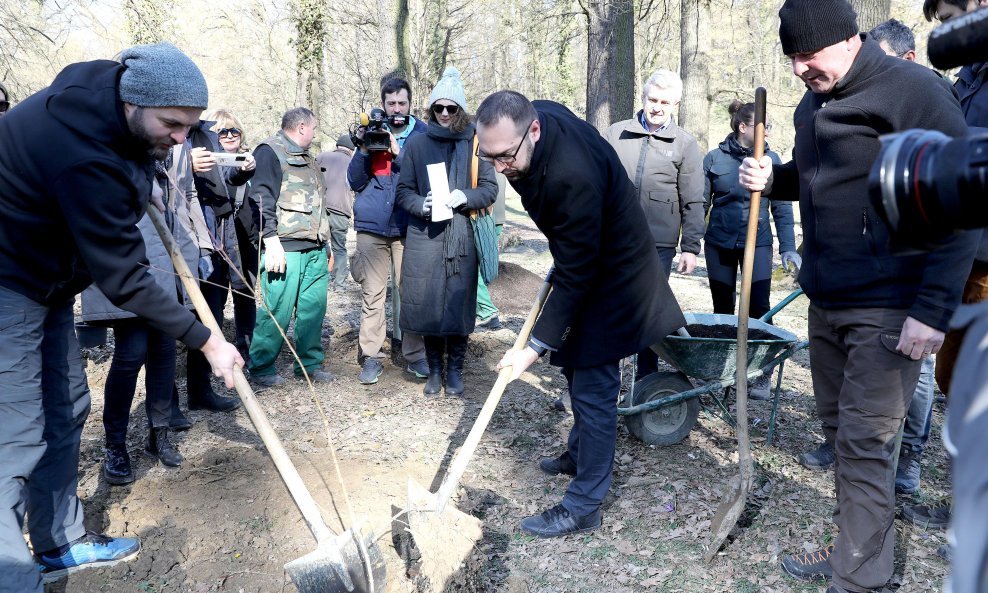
[(4, 106), (234, 132), (505, 158), (450, 109), (768, 127)]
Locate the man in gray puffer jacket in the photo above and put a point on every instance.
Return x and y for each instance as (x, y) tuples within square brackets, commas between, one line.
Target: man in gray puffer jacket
[(666, 166)]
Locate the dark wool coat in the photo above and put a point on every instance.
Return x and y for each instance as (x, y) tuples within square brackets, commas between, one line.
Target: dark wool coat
[(848, 261), (432, 303), (609, 299)]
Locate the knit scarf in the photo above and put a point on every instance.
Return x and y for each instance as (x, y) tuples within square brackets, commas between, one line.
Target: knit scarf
[(457, 147)]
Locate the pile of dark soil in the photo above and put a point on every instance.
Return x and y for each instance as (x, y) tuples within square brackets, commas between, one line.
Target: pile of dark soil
[(514, 289), (729, 332)]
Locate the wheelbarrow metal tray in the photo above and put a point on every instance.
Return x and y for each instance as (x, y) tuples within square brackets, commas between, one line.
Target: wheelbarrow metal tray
[(713, 359)]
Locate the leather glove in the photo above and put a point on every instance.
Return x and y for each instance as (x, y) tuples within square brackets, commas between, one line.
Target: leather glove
[(427, 206), (456, 199), (274, 255), (791, 257), (205, 266)]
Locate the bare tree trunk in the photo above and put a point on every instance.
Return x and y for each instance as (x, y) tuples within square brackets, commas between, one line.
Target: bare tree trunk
[(599, 32), (146, 20), (401, 41), (694, 65), (871, 12), (310, 45), (623, 77)]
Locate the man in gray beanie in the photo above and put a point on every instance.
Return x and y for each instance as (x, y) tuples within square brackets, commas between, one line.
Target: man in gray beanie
[(70, 218), (874, 312)]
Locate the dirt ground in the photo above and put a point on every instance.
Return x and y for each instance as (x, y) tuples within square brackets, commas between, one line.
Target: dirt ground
[(224, 521)]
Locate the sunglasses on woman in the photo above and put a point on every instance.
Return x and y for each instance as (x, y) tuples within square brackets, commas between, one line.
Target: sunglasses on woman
[(234, 132), (450, 109)]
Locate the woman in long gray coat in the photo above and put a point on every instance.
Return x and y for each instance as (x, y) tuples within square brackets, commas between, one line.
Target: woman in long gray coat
[(439, 269)]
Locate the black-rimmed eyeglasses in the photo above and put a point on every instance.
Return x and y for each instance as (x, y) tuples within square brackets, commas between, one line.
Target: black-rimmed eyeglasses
[(235, 132), (505, 158)]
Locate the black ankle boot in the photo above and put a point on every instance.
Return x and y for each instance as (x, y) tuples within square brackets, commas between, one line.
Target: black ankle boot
[(456, 348), (212, 401), (162, 448), (116, 465), (434, 356)]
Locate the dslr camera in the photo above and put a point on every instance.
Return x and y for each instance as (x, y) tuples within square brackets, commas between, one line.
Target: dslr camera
[(925, 184), (376, 126)]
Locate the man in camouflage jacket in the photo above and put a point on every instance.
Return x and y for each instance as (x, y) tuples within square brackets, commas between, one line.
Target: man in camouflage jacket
[(294, 227)]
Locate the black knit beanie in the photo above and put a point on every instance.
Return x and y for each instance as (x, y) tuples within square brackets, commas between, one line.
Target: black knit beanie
[(808, 25)]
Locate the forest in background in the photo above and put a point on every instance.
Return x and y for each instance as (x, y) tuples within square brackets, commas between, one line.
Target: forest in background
[(262, 57)]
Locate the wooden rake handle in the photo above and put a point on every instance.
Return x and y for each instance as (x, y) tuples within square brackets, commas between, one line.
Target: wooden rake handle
[(459, 463)]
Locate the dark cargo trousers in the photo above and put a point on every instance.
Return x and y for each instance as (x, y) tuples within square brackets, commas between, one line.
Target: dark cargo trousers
[(863, 388), (44, 402)]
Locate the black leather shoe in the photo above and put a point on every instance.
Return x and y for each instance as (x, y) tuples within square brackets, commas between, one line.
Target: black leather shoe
[(557, 521), (212, 401), (558, 465), (162, 448), (116, 465)]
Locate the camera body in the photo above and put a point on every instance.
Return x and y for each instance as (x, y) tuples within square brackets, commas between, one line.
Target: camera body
[(377, 125)]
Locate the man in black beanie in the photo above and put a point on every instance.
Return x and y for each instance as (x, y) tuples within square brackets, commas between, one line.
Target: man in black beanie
[(76, 168), (874, 312)]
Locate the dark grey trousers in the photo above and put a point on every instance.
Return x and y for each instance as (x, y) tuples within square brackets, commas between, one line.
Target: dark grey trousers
[(44, 402), (863, 388)]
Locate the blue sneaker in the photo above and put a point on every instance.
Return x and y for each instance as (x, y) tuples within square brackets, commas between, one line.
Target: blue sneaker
[(89, 551)]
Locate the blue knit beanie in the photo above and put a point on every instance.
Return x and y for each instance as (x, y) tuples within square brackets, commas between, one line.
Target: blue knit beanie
[(160, 75), (449, 87)]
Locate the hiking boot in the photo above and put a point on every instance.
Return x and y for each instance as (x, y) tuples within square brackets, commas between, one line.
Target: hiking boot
[(813, 565), (272, 380), (116, 465), (558, 521), (456, 351), (928, 516), (760, 389), (558, 465), (370, 371), (908, 470), (419, 368), (159, 446), (317, 376), (212, 401), (491, 323), (89, 551), (819, 459)]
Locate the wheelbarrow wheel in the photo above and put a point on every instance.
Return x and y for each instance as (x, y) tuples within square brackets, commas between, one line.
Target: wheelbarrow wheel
[(669, 424)]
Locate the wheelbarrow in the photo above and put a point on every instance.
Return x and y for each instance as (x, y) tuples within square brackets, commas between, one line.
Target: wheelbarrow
[(663, 407)]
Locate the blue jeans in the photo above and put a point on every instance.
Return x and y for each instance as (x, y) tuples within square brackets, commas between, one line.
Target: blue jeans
[(593, 393), (44, 402), (916, 429)]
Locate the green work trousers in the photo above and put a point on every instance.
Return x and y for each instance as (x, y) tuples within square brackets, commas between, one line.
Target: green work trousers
[(300, 290), (485, 306)]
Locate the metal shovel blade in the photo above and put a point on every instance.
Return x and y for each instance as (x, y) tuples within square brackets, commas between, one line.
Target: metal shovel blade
[(443, 534), (345, 557)]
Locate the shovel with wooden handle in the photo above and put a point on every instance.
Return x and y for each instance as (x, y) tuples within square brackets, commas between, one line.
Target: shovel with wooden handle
[(732, 506), (343, 563), (444, 535)]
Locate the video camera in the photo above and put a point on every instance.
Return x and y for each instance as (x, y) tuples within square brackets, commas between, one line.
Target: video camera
[(924, 183), (376, 126)]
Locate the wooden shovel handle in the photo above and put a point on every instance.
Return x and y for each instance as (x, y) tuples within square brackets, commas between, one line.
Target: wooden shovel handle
[(459, 463), (293, 481)]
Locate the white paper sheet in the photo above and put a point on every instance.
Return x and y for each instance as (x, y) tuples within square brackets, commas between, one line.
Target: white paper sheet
[(440, 192)]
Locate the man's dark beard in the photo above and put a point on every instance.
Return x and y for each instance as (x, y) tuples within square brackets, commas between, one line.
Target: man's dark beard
[(136, 124)]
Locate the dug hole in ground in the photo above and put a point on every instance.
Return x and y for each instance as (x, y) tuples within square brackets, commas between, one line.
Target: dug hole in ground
[(225, 522)]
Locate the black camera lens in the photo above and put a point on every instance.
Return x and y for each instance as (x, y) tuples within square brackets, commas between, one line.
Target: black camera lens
[(926, 184)]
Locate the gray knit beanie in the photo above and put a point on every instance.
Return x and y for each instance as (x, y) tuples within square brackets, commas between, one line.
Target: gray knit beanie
[(449, 87), (808, 25), (160, 75)]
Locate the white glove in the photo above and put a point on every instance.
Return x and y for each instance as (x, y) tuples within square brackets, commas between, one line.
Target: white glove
[(456, 199), (791, 257), (427, 206), (274, 255)]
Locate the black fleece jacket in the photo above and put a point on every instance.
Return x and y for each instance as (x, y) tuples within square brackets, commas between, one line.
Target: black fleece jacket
[(73, 184), (847, 259)]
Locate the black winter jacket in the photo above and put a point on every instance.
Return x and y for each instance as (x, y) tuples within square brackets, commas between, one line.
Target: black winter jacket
[(609, 299), (847, 259), (729, 219), (973, 95), (73, 184)]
